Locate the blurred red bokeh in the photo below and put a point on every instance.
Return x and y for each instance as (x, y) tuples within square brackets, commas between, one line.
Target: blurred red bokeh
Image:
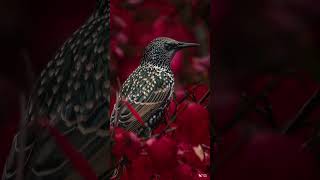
[(266, 62)]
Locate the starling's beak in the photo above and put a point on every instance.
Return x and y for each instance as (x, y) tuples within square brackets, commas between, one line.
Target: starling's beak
[(182, 45)]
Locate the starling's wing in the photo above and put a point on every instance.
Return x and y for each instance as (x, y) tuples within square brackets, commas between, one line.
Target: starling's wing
[(148, 91), (73, 93)]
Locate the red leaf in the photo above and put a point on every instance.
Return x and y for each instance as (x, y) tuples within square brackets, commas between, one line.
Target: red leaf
[(126, 144), (163, 153), (134, 112), (200, 91), (168, 174), (141, 168), (180, 94), (183, 171), (193, 125)]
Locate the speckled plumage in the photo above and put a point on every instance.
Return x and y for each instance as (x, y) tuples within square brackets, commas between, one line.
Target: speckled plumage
[(149, 88), (73, 92)]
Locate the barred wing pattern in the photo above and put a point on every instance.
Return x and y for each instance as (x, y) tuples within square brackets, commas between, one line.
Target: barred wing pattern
[(73, 92)]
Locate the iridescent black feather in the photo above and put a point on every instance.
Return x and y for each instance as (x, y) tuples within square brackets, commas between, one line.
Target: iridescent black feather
[(73, 92)]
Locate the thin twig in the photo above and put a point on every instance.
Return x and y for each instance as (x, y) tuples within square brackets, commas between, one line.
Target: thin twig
[(303, 112), (246, 107), (266, 111), (204, 97), (168, 126), (188, 94), (315, 135), (164, 132)]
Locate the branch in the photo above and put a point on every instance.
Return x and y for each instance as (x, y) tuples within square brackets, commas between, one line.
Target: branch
[(313, 139), (303, 113), (204, 97), (266, 111), (246, 106)]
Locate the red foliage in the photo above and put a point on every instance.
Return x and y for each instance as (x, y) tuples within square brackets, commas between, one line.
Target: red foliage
[(200, 91), (193, 125), (163, 153), (126, 143), (183, 171), (139, 170), (177, 154)]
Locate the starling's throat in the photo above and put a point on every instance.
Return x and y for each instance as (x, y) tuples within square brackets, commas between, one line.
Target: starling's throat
[(157, 57)]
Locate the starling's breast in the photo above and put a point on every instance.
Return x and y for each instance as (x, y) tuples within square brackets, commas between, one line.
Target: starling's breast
[(145, 80)]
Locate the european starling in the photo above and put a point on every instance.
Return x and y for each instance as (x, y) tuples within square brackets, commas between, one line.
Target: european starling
[(73, 93), (149, 88)]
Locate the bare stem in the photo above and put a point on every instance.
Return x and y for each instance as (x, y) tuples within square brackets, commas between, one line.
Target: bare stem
[(303, 113), (246, 106), (204, 97)]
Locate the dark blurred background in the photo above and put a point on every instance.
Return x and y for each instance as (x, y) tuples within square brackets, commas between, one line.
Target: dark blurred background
[(265, 81), (30, 33)]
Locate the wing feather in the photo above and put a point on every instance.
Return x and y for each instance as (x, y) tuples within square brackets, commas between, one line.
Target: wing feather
[(72, 90), (157, 92)]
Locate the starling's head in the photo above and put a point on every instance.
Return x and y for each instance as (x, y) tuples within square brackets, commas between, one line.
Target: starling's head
[(161, 50)]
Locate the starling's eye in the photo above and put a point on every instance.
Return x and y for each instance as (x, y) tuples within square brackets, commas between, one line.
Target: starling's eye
[(169, 46)]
